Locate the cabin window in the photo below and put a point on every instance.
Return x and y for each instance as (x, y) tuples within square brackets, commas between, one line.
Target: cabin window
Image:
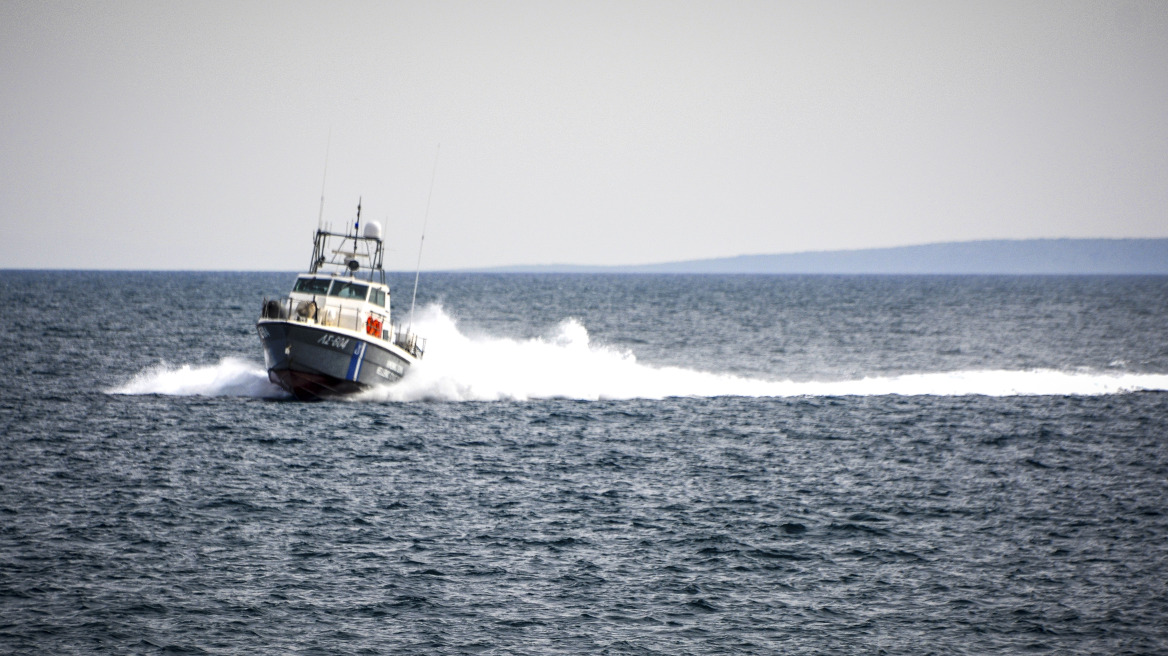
[(344, 289), (312, 286), (377, 297)]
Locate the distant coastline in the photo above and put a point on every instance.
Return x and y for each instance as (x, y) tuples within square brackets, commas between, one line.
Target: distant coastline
[(1140, 257), (1007, 257)]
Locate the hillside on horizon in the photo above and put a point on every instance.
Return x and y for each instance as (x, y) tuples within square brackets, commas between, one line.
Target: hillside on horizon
[(1008, 257)]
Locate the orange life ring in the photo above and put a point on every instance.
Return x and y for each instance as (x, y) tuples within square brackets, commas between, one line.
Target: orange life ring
[(373, 326)]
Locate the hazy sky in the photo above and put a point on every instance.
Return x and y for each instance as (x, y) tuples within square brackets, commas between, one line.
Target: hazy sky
[(192, 135)]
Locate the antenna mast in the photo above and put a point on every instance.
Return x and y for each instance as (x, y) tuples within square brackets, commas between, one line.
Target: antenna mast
[(418, 270), (324, 179), (357, 231)]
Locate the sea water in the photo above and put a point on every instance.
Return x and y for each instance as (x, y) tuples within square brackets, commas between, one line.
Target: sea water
[(592, 464)]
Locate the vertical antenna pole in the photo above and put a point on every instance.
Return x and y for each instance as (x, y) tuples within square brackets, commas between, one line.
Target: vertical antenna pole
[(324, 179), (418, 270), (357, 229)]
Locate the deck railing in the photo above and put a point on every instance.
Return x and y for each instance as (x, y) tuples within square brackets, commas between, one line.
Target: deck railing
[(310, 312)]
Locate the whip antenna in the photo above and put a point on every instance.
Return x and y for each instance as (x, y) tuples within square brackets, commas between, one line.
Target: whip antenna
[(324, 178), (418, 270)]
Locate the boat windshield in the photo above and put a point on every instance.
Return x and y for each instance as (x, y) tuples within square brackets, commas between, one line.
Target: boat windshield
[(377, 297), (312, 285), (343, 289)]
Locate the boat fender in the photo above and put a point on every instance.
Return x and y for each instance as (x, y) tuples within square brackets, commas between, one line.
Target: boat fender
[(273, 310), (306, 309)]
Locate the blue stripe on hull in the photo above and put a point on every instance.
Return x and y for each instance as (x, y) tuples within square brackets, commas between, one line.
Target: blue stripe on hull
[(355, 361)]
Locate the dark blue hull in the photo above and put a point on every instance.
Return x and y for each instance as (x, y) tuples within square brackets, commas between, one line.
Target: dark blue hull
[(312, 362)]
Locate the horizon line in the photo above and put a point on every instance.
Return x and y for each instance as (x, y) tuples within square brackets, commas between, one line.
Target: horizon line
[(599, 268)]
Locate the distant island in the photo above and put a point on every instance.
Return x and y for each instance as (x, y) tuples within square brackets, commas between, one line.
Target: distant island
[(1010, 257)]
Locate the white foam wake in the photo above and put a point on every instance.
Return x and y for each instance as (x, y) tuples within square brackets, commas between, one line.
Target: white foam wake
[(566, 364), (230, 377)]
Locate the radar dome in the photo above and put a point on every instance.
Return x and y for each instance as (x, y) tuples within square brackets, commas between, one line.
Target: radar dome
[(373, 230)]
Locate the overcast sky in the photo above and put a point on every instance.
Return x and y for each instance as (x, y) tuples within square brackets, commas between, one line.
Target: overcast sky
[(192, 135)]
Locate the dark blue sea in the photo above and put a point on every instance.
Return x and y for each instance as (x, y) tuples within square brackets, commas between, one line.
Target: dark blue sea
[(592, 464)]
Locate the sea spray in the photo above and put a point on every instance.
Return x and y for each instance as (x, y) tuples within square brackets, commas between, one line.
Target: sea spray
[(566, 363), (229, 377)]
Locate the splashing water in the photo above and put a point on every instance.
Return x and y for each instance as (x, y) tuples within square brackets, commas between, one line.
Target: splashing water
[(566, 364), (230, 377)]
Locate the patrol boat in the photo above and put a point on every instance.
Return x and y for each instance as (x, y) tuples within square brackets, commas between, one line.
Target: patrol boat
[(333, 335)]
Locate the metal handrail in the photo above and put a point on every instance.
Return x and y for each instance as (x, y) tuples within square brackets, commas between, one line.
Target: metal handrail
[(282, 309)]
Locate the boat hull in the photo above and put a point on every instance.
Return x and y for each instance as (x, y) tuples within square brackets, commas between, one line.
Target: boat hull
[(313, 362)]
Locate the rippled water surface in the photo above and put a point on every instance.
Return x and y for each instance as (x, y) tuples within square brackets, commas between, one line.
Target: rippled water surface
[(593, 464)]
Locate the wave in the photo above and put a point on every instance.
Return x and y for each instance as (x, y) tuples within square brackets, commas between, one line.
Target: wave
[(566, 364), (230, 377)]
